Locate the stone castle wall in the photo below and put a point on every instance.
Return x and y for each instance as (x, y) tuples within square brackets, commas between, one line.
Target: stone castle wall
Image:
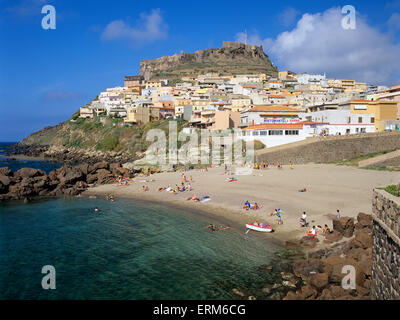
[(331, 148), (386, 246)]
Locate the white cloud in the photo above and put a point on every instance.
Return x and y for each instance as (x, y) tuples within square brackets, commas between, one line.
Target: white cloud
[(288, 16), (394, 21), (150, 27), (318, 43)]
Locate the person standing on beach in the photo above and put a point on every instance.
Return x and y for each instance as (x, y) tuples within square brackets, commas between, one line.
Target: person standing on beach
[(304, 219), (337, 214), (291, 165), (279, 218)]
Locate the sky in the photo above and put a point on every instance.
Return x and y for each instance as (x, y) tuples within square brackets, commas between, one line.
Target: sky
[(48, 74)]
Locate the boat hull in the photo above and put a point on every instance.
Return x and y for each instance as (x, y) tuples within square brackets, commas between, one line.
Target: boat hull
[(260, 229)]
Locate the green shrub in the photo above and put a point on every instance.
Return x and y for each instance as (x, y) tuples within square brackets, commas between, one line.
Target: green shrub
[(392, 189), (108, 143), (258, 145)]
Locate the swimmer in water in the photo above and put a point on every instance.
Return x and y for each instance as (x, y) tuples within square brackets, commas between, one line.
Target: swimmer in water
[(96, 209)]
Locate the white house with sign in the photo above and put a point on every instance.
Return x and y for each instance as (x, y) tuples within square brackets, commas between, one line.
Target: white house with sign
[(275, 134), (341, 120), (267, 114)]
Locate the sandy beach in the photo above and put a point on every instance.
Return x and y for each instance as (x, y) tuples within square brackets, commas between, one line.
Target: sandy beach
[(329, 187)]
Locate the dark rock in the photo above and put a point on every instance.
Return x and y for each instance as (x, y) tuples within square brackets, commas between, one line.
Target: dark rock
[(305, 267), (97, 166), (333, 236), (6, 171), (308, 292), (319, 281), (29, 173), (362, 240), (344, 225)]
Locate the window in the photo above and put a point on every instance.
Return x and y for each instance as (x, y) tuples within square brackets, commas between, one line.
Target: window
[(363, 130), (275, 132), (263, 133), (357, 130), (348, 120), (347, 131), (372, 119), (359, 119), (291, 132), (255, 133)]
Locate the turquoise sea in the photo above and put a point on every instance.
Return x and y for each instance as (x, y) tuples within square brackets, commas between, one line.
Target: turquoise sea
[(128, 250)]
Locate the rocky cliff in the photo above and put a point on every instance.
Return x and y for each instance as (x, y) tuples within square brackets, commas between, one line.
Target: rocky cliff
[(232, 58)]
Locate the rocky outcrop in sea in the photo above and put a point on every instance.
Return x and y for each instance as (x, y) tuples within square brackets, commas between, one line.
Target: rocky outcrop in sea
[(27, 183)]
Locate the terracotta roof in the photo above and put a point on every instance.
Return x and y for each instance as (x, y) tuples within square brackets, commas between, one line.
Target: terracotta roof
[(272, 108), (361, 100), (275, 126), (313, 122)]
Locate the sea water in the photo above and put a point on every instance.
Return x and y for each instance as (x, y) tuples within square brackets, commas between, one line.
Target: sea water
[(127, 250)]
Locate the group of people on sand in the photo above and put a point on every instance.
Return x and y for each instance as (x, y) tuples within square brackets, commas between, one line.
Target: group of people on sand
[(247, 205), (316, 228), (122, 181), (196, 199), (215, 228), (264, 165)]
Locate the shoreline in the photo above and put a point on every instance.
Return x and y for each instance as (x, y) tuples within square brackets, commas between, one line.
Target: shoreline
[(329, 187), (235, 224)]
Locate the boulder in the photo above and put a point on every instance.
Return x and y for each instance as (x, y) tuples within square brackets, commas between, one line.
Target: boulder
[(305, 267), (308, 292), (97, 166), (29, 173), (309, 242), (4, 180), (103, 176), (362, 240), (333, 236), (337, 291), (344, 225), (293, 296), (364, 222), (326, 295), (6, 171), (72, 175), (84, 168), (333, 266), (319, 281)]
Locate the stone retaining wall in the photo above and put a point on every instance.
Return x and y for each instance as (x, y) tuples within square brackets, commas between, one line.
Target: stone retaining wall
[(386, 246), (331, 148)]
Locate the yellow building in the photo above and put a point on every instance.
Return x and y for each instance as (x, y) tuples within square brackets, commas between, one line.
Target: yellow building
[(347, 85), (385, 111), (131, 115)]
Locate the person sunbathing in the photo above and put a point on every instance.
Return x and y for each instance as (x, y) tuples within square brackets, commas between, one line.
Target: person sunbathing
[(255, 207), (145, 188), (246, 205), (326, 230), (161, 189)]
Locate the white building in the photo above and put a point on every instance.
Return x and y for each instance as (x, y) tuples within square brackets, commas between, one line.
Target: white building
[(306, 78), (276, 134), (264, 114)]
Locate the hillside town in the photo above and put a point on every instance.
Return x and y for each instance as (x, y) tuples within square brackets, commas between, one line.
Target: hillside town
[(274, 110)]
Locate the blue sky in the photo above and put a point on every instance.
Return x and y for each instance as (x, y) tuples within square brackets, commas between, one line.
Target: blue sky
[(46, 75)]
